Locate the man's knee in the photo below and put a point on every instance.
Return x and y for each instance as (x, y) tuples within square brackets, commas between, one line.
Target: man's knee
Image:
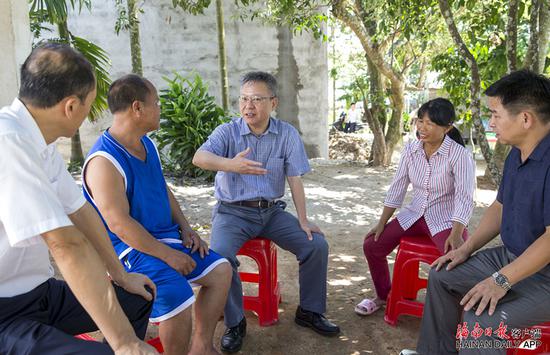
[(319, 246), (227, 250), (220, 275), (484, 320), (436, 277)]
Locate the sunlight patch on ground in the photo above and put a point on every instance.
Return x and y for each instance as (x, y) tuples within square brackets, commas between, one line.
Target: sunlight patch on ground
[(346, 176), (485, 197), (339, 282), (325, 193), (345, 258)]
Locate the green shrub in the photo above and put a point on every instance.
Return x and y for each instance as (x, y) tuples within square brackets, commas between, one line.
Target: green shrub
[(188, 116)]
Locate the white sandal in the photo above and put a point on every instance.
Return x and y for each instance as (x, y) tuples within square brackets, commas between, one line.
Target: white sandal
[(366, 307)]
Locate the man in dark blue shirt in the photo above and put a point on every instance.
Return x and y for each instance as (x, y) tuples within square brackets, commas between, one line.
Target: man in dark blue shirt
[(512, 281)]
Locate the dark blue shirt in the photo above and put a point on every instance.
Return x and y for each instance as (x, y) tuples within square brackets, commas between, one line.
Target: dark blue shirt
[(525, 197)]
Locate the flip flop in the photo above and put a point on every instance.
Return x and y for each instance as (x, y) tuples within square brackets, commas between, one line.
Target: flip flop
[(366, 307)]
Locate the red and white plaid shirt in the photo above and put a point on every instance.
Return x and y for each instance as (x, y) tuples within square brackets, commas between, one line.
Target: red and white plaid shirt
[(443, 186)]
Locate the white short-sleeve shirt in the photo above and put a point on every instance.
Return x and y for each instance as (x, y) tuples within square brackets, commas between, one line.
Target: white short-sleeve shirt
[(37, 194)]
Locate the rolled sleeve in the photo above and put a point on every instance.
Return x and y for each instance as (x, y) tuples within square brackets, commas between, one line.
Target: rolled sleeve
[(218, 141), (29, 204), (464, 175), (296, 162), (398, 188)]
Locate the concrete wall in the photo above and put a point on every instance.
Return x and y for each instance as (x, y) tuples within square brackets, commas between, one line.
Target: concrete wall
[(172, 40), (15, 41)]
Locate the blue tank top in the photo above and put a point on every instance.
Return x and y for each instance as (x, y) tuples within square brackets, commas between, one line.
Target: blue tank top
[(145, 189)]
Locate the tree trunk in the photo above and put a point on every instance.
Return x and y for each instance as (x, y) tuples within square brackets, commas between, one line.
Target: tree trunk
[(421, 83), (77, 157), (501, 150), (395, 125), (221, 53), (475, 89), (376, 116), (544, 35), (359, 24), (135, 46), (531, 58), (512, 36)]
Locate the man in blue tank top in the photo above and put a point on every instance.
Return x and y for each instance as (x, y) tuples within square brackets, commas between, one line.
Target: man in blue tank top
[(123, 180)]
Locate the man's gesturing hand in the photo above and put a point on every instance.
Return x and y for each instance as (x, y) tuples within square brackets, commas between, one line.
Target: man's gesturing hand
[(241, 165)]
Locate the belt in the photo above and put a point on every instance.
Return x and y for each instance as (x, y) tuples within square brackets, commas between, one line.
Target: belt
[(254, 203)]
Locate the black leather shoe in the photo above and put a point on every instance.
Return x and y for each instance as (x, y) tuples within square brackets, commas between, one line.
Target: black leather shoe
[(316, 321), (232, 339)]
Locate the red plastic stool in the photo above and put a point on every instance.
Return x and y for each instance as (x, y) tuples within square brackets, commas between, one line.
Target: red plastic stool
[(405, 282), (544, 347), (155, 342), (266, 303)]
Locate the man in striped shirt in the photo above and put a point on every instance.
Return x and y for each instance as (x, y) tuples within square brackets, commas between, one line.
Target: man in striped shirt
[(512, 281), (252, 155)]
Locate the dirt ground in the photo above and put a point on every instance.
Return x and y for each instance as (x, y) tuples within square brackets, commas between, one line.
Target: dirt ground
[(344, 199)]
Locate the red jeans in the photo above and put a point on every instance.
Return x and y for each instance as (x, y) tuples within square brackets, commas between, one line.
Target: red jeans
[(376, 252)]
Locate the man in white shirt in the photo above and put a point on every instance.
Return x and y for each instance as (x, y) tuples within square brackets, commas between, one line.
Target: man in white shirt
[(351, 120), (41, 209)]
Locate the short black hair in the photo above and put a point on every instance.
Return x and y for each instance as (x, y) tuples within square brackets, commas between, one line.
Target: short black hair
[(52, 72), (523, 89), (125, 90), (261, 76)]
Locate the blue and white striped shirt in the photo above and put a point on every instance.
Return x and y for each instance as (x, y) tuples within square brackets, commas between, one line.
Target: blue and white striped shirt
[(280, 150), (443, 186)]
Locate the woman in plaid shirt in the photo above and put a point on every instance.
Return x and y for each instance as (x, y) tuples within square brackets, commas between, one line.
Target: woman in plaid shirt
[(442, 172)]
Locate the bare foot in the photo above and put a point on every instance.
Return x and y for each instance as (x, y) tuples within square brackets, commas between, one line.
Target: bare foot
[(379, 302)]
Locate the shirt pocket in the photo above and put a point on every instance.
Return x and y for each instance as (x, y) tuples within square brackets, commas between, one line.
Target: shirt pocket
[(275, 170)]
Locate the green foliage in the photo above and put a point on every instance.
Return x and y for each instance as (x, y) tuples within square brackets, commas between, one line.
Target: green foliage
[(100, 61), (37, 19), (483, 27), (56, 10), (188, 116), (123, 20), (299, 15), (196, 7)]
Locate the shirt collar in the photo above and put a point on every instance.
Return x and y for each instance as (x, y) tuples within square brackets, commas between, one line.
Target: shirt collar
[(540, 150), (29, 124), (443, 148), (272, 128)]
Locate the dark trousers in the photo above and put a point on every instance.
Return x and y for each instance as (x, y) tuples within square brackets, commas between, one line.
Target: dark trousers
[(351, 127), (45, 320), (235, 225), (525, 305)]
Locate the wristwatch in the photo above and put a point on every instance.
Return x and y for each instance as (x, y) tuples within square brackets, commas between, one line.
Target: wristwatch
[(502, 281)]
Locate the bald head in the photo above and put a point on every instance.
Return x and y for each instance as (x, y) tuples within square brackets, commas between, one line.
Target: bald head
[(52, 72)]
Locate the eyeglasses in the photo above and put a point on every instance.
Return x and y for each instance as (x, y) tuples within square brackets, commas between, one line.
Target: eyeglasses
[(255, 100)]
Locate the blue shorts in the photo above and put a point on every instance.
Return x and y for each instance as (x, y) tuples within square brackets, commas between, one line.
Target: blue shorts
[(174, 290)]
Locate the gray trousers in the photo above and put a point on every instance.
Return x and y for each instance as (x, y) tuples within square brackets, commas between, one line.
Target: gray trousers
[(526, 304), (233, 225)]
